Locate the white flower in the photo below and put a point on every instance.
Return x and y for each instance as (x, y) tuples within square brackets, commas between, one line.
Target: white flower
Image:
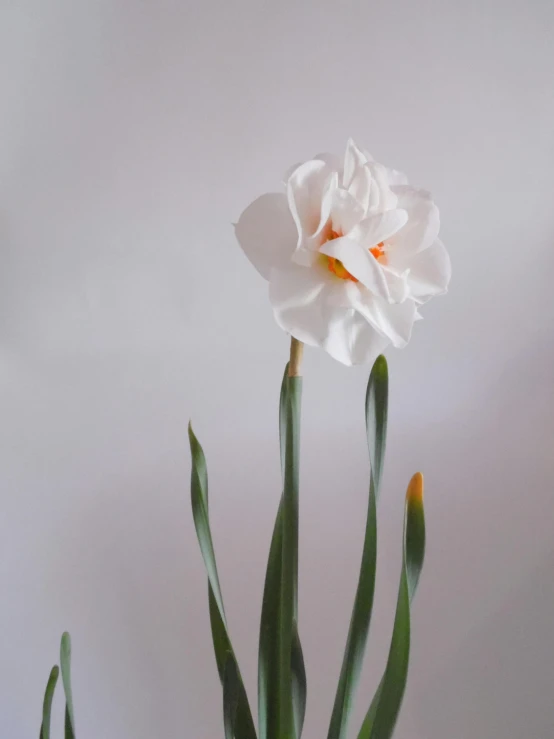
[(350, 252)]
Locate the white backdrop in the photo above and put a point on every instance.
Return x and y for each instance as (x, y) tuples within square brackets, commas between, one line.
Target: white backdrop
[(132, 134)]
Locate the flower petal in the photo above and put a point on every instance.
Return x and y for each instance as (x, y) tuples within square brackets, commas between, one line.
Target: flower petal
[(357, 176), (346, 211), (351, 340), (359, 262), (305, 190), (423, 223), (354, 159), (398, 285), (375, 229), (297, 296), (395, 177), (381, 196), (266, 232), (430, 273), (304, 306), (327, 200), (392, 320)]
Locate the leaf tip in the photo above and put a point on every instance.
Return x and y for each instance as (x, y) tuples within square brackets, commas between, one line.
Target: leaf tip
[(380, 367), (414, 494), (192, 435)]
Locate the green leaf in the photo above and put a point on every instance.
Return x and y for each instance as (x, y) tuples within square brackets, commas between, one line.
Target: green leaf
[(381, 718), (65, 664), (268, 650), (289, 557), (220, 635), (268, 684), (281, 672), (376, 426), (68, 726), (231, 696), (299, 683), (47, 704)]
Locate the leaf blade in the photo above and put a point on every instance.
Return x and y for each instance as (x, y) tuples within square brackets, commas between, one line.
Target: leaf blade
[(231, 693), (289, 557), (382, 715), (376, 409), (65, 665), (47, 703), (245, 728)]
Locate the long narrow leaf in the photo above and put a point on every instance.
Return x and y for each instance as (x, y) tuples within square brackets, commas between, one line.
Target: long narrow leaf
[(299, 683), (222, 644), (47, 704), (270, 676), (268, 653), (65, 664), (268, 686), (376, 426), (268, 649), (298, 669), (231, 696), (381, 718), (68, 726), (289, 557)]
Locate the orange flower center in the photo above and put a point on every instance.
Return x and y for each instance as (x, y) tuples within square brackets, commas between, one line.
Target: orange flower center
[(337, 267)]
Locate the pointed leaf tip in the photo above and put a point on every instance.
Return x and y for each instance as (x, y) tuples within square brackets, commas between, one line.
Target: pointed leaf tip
[(380, 366), (414, 493)]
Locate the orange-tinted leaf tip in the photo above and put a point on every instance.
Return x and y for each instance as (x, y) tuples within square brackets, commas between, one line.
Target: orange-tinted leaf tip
[(414, 494)]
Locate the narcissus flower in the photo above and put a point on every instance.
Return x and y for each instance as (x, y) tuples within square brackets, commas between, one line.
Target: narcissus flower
[(350, 252)]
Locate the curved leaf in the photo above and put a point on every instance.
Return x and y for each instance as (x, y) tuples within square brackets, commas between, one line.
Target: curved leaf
[(381, 718), (268, 651), (289, 557), (376, 425), (299, 683), (272, 673), (65, 664), (220, 636), (231, 694), (47, 705)]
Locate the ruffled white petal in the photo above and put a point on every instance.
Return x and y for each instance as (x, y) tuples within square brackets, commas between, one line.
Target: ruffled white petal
[(303, 305), (357, 176), (422, 227), (297, 295), (267, 233), (382, 198), (305, 190), (290, 171), (354, 160), (375, 229), (397, 283), (395, 177), (395, 321), (359, 262), (327, 201), (346, 211), (430, 273), (351, 340)]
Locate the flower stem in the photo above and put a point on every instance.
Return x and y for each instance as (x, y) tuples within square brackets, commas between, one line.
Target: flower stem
[(296, 352)]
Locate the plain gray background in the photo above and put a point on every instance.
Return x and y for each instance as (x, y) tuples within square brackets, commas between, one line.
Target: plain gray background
[(132, 134)]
